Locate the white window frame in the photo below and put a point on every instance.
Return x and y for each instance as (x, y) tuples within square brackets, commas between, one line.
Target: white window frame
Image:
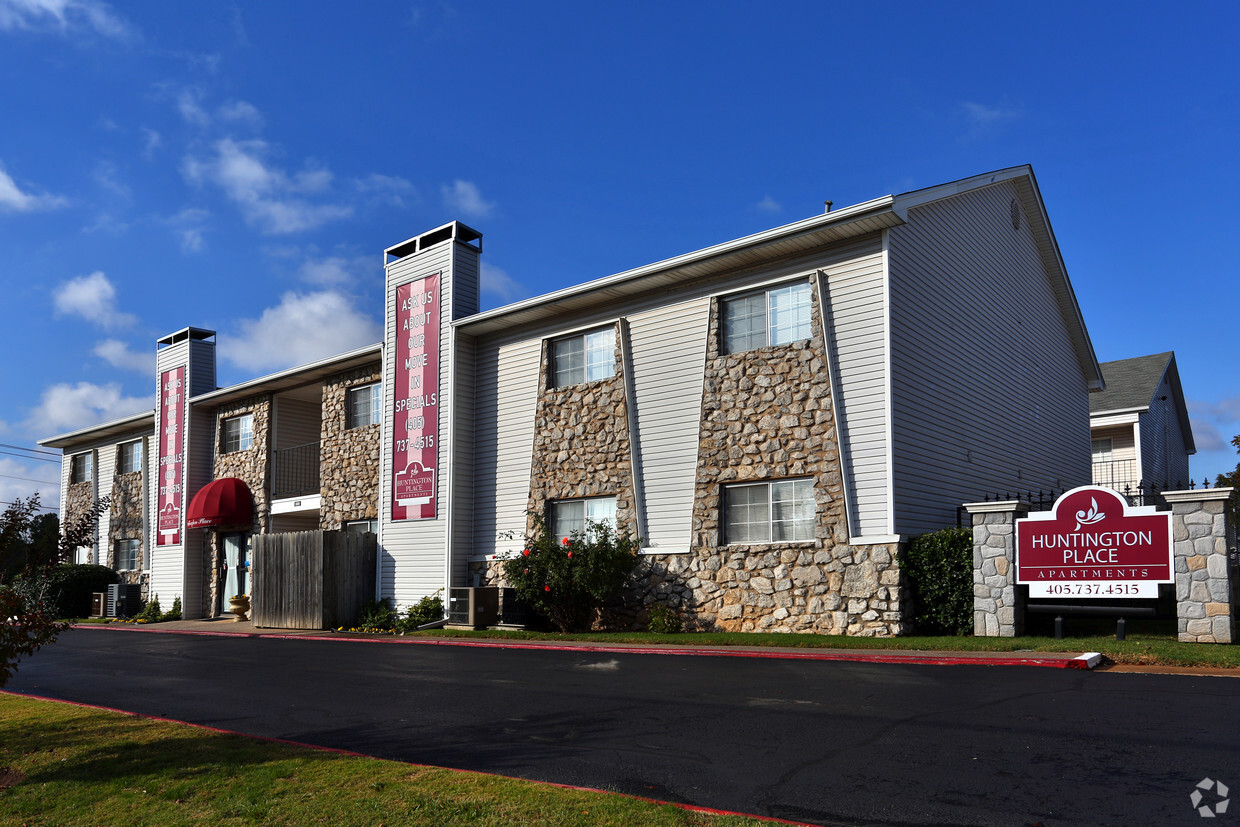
[(132, 548), (354, 395), (588, 356), (562, 514), (776, 315), (1107, 455), (243, 439), (133, 462), (763, 500), (362, 526), (81, 468)]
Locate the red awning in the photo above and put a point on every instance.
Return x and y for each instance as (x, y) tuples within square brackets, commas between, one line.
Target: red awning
[(222, 502)]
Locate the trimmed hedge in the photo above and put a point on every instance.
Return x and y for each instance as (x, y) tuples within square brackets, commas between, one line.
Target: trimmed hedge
[(939, 567), (72, 585)]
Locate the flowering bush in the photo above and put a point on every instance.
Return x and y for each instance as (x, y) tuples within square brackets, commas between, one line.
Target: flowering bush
[(567, 581)]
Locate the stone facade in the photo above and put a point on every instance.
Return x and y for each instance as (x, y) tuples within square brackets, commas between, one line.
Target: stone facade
[(996, 611), (125, 523), (79, 497), (349, 457), (581, 442), (1205, 571), (766, 415)]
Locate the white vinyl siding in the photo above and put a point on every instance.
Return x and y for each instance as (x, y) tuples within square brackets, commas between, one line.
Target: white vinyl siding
[(1164, 459), (988, 395), (857, 346)]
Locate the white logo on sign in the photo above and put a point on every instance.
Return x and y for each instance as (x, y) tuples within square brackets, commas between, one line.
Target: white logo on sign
[(1089, 517), (1205, 810)]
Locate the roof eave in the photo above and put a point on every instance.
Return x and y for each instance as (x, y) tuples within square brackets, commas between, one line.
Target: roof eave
[(116, 426)]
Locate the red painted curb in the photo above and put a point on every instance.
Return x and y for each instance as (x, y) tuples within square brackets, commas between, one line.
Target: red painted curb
[(689, 807), (855, 656)]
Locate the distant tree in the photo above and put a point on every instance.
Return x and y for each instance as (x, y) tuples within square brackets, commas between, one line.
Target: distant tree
[(1232, 480), (28, 611)]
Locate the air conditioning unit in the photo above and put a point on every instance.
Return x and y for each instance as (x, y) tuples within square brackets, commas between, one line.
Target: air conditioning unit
[(124, 600), (513, 611), (475, 607)]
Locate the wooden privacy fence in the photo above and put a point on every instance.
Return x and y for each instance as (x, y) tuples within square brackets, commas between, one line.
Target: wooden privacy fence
[(311, 579)]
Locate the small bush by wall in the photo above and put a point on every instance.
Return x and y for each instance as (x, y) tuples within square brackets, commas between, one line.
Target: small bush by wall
[(70, 587), (939, 567)]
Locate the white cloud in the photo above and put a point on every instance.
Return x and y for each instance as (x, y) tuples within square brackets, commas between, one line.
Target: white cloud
[(118, 354), (108, 177), (12, 199), (337, 270), (1207, 436), (269, 198), (302, 328), (241, 112), (63, 16), (151, 141), (65, 407), (982, 115), (93, 298), (1224, 410), (464, 197), (22, 479), (386, 189), (498, 283), (188, 224), (769, 204), (189, 104)]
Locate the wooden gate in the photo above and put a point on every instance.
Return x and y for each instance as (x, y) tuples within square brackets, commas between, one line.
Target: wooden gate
[(311, 579)]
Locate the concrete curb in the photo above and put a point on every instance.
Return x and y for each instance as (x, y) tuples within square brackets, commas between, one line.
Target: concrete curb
[(1052, 660)]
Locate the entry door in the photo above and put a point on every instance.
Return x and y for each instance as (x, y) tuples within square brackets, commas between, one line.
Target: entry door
[(235, 560)]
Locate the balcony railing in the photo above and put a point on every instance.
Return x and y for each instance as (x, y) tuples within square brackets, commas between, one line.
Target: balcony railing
[(1117, 474), (295, 471)]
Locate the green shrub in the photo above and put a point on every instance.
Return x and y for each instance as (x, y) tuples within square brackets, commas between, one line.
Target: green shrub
[(427, 610), (940, 571), (664, 620), (377, 616), (150, 612), (568, 581), (70, 586), (174, 613)]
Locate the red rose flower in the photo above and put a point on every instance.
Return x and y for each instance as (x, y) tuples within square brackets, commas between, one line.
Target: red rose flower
[(570, 554), (526, 553), (566, 541), (546, 588)]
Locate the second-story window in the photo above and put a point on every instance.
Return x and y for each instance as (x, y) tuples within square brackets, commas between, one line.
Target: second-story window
[(238, 433), (768, 317), (365, 406), (81, 468), (130, 458), (585, 357)]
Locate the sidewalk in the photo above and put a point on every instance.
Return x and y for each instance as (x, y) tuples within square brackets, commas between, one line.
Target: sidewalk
[(227, 627)]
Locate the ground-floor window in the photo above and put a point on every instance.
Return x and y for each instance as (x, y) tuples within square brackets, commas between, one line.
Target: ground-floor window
[(769, 512), (126, 554), (567, 517), (362, 526)]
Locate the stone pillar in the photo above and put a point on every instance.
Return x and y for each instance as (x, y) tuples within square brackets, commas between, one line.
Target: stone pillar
[(1205, 568), (995, 609)]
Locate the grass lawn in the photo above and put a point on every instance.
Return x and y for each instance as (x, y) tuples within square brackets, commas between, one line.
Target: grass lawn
[(1143, 646), (67, 765)]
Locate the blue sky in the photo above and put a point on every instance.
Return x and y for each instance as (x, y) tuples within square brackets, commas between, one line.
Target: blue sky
[(241, 167)]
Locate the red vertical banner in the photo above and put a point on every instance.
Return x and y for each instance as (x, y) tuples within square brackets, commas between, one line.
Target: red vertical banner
[(415, 401), (171, 454)]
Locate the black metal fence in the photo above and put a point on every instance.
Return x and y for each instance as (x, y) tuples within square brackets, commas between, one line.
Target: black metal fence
[(295, 471), (1141, 493)]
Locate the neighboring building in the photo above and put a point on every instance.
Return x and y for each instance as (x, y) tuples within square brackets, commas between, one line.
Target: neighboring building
[(1141, 436), (774, 415)]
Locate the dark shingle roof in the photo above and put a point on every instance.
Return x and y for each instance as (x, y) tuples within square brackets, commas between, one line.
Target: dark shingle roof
[(1130, 382)]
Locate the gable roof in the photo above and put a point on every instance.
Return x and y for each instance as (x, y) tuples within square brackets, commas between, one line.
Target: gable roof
[(798, 238), (1132, 384)]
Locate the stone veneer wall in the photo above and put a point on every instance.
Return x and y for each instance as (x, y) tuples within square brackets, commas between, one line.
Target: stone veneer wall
[(581, 442), (1206, 578), (125, 523), (766, 415), (349, 457), (79, 497), (252, 467), (996, 611)]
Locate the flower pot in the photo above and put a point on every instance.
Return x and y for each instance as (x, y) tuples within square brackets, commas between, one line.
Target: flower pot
[(239, 606)]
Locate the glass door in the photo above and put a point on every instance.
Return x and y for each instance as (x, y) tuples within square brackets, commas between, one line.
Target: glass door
[(235, 564)]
